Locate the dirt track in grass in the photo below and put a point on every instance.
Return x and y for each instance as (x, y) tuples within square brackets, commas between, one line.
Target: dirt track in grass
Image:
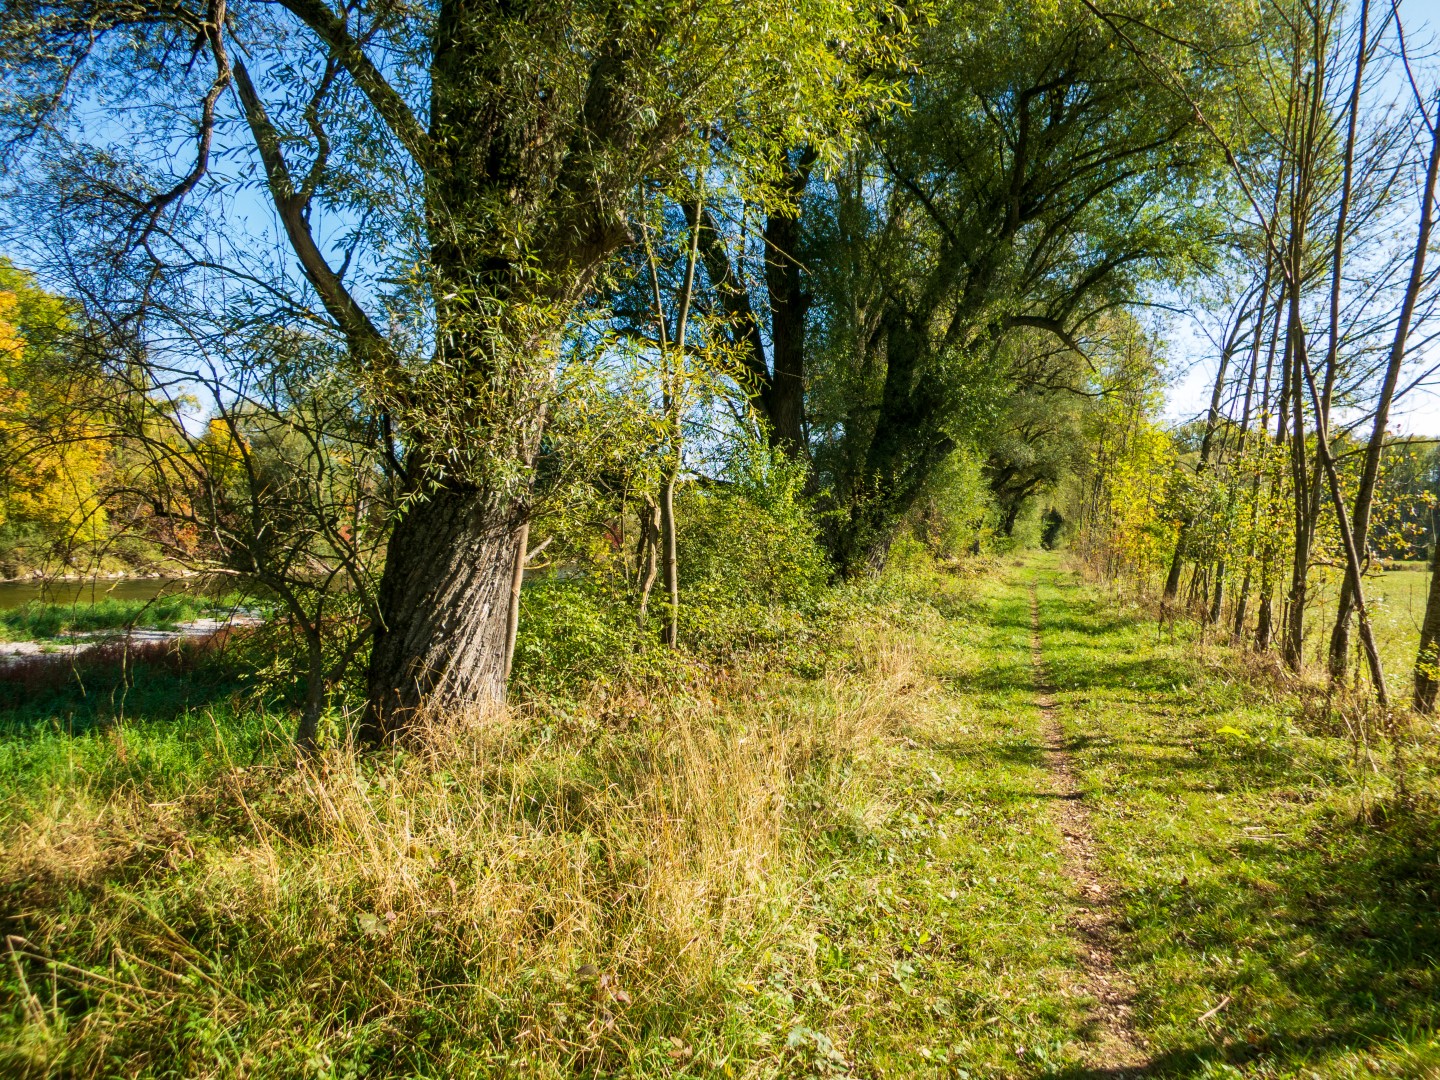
[(1116, 1046)]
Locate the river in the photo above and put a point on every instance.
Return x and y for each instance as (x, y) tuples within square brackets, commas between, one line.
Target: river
[(14, 594)]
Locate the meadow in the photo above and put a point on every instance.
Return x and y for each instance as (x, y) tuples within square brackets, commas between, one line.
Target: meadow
[(853, 867), (1397, 598)]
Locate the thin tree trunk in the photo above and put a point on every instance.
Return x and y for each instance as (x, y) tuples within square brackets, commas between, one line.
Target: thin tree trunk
[(1309, 89), (650, 545), (1292, 650), (1352, 555), (1177, 564), (1375, 449), (671, 361), (1427, 660), (314, 694), (1212, 417), (1218, 598), (517, 582), (1269, 556), (1242, 601), (1295, 601), (671, 633), (1265, 618)]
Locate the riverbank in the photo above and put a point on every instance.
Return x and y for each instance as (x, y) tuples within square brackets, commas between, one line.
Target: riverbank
[(68, 646)]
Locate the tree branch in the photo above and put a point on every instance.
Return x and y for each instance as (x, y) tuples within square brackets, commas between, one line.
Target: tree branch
[(398, 117)]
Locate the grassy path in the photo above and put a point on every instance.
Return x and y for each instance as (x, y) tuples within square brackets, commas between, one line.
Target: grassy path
[(1234, 892), (1114, 1040)]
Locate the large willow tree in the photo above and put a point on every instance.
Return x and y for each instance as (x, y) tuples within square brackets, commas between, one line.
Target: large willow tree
[(436, 184), (1036, 179)]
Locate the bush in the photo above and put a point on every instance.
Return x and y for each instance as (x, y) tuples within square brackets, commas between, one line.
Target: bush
[(752, 576), (751, 539), (752, 573), (957, 514), (576, 630)]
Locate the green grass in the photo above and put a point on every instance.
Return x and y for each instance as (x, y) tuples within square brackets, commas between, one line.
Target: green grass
[(755, 874), (1263, 857), (37, 620), (1397, 601)]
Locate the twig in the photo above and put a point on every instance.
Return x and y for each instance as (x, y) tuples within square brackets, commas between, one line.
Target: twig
[(1223, 1002)]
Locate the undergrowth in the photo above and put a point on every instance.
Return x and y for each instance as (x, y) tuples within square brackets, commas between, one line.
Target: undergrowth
[(569, 887)]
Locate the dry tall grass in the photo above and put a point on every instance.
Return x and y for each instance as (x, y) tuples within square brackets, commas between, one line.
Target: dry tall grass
[(538, 893)]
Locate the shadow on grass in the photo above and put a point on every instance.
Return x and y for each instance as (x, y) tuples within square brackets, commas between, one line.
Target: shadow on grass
[(74, 695), (1335, 942), (1322, 933)]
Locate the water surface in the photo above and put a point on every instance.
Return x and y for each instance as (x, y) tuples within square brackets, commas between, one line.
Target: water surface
[(14, 594)]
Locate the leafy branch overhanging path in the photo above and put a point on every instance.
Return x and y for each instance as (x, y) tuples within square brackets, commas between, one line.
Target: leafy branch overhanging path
[(1117, 1047)]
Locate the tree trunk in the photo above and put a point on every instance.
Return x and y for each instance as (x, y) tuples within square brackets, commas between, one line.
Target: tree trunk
[(672, 384), (1296, 598), (776, 388), (517, 582), (1218, 599), (784, 397), (650, 556), (1427, 676), (1212, 417), (444, 611), (671, 633), (1375, 449), (906, 446), (1177, 564), (1347, 538), (314, 694), (1265, 619), (1242, 603)]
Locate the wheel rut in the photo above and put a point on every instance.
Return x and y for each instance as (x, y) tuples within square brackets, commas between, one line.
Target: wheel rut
[(1116, 1049)]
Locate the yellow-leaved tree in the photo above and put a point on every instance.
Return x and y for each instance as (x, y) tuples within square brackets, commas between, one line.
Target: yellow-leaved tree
[(52, 460), (1120, 496)]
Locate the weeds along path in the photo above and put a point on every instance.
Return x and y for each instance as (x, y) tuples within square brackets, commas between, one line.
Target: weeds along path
[(1116, 1045)]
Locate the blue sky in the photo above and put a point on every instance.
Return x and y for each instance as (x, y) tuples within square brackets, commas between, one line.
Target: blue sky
[(1193, 358)]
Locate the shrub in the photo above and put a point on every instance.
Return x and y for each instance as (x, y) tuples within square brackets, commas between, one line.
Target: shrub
[(578, 628), (752, 573), (751, 539), (957, 514)]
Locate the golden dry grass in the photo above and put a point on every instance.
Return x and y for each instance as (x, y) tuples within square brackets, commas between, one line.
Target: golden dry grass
[(531, 892)]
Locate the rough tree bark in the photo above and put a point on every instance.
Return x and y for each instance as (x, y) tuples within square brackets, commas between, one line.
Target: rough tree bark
[(445, 604)]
